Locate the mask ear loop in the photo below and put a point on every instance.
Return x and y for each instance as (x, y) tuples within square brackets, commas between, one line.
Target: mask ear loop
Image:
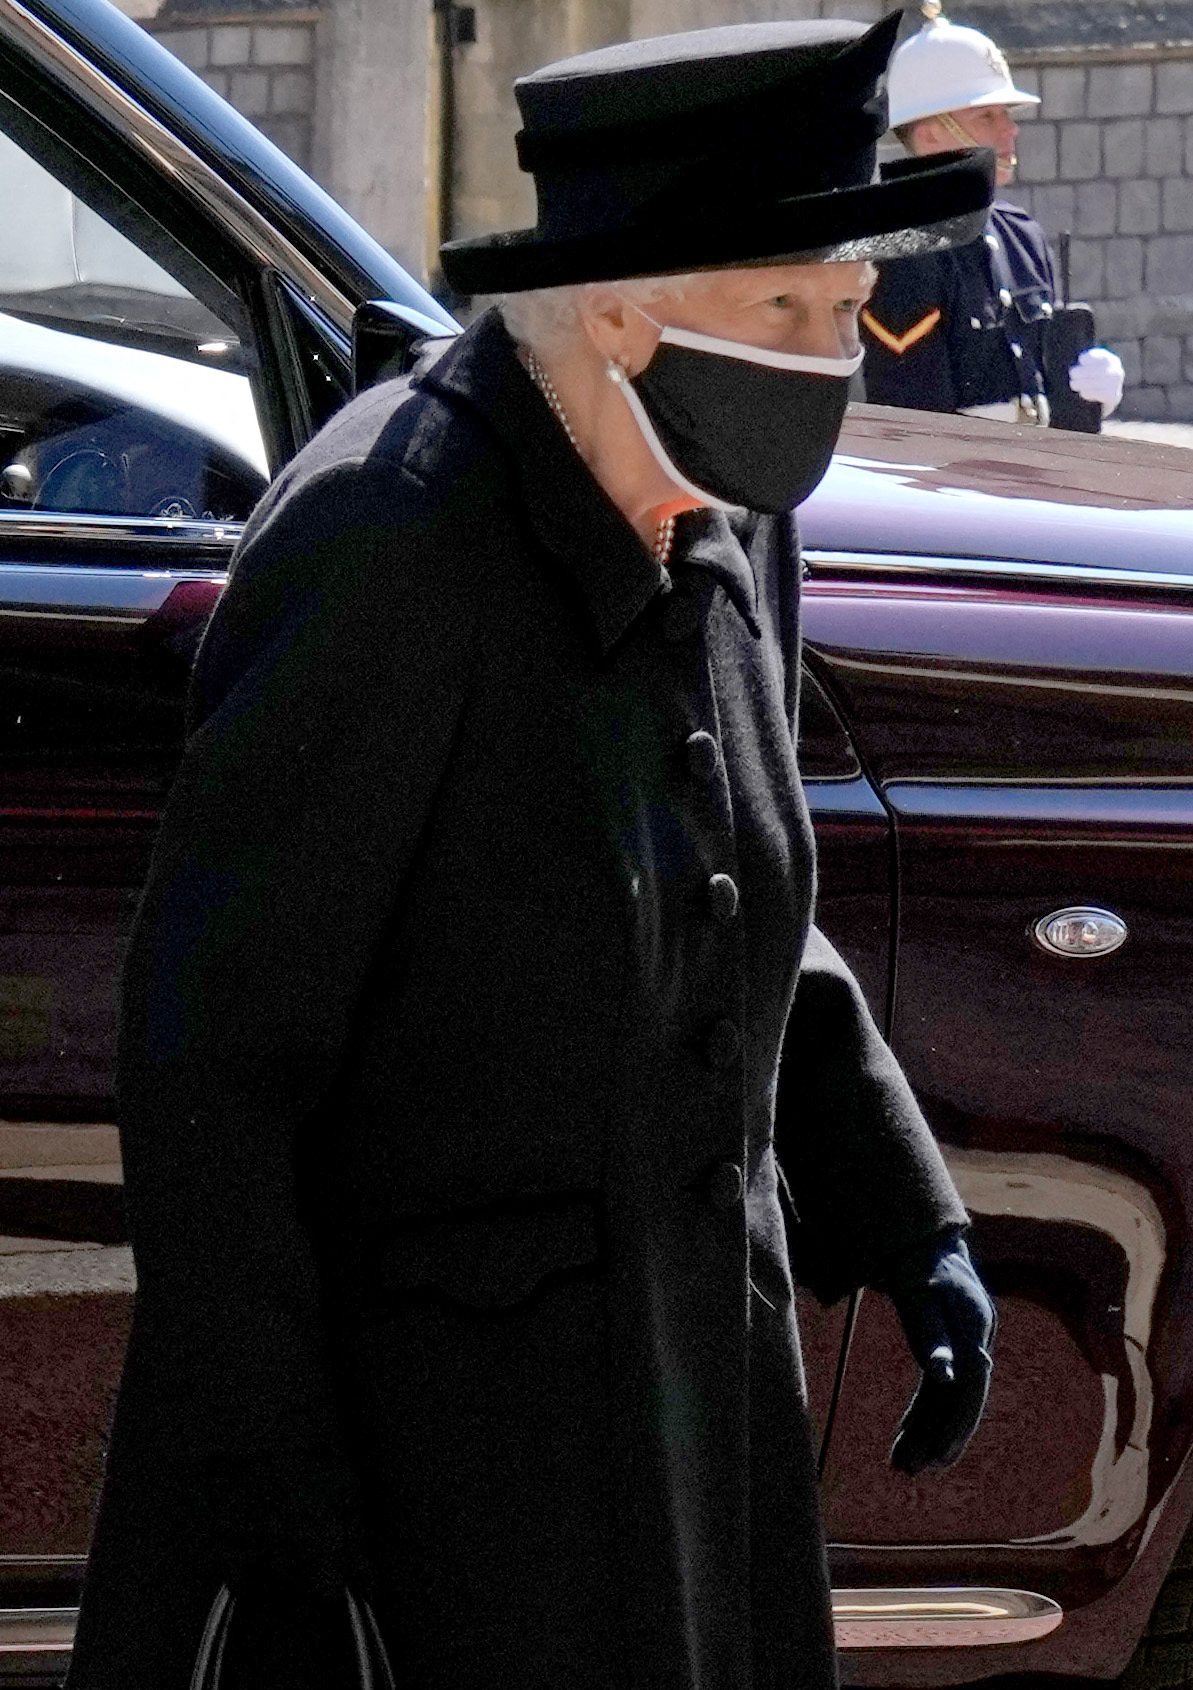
[(620, 377), (658, 451), (615, 368), (641, 312)]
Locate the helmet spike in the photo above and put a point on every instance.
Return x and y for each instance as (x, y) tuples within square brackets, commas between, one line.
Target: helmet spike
[(932, 10)]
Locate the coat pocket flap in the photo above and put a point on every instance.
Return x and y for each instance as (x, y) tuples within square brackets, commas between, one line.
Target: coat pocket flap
[(491, 1258)]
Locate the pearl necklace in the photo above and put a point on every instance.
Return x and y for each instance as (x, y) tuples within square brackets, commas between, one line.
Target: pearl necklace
[(665, 533)]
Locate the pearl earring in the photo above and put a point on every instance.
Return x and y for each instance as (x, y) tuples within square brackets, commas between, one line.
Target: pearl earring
[(615, 371)]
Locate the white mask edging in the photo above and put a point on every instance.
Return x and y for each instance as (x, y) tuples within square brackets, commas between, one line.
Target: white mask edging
[(803, 363), (659, 453)]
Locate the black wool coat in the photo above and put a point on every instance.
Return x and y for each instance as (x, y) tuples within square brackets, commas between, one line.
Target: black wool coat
[(450, 1046)]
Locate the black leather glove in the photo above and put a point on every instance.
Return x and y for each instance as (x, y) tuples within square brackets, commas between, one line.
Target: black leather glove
[(949, 1322)]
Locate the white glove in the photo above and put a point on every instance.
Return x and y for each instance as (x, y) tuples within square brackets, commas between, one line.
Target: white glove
[(1098, 376)]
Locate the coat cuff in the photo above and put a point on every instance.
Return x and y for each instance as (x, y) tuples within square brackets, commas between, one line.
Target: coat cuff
[(866, 1180)]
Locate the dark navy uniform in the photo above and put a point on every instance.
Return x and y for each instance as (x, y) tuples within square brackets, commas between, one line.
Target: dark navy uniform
[(956, 329)]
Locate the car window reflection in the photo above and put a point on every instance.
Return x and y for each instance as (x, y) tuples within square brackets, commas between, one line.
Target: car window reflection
[(93, 428), (71, 268), (121, 394)]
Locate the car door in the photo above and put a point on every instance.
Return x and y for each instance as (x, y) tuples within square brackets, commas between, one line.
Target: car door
[(1029, 728), (855, 869), (129, 456), (163, 350)]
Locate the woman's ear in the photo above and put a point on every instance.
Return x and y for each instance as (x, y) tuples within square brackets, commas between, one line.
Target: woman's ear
[(617, 330), (603, 313)]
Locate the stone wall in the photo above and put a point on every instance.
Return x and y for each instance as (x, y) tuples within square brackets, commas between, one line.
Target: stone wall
[(342, 87), (1110, 158), (516, 36), (262, 61), (512, 37), (349, 91)]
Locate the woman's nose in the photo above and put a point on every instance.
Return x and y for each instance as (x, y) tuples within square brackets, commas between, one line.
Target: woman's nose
[(830, 333)]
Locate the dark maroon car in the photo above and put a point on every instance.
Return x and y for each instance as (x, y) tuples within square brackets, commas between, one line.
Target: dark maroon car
[(998, 747), (997, 741)]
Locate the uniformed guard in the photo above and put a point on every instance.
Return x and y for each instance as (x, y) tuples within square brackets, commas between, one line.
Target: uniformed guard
[(979, 328)]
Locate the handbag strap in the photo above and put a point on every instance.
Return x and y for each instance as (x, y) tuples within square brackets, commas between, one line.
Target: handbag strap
[(373, 1671)]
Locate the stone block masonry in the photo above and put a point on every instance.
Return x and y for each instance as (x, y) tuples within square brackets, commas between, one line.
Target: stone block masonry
[(345, 87), (1109, 157), (263, 61), (1126, 90)]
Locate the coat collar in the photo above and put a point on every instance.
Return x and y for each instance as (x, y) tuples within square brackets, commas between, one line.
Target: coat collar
[(571, 514)]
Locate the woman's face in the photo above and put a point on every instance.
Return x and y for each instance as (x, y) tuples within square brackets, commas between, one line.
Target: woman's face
[(810, 309), (807, 308)]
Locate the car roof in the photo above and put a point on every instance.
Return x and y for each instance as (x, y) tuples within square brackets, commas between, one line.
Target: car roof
[(922, 483)]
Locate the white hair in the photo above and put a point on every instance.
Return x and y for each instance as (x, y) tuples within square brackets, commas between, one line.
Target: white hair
[(548, 319)]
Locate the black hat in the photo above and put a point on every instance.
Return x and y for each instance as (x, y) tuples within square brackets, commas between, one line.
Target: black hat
[(749, 144)]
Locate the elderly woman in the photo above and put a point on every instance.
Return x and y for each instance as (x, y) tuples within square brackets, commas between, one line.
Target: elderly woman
[(449, 1072)]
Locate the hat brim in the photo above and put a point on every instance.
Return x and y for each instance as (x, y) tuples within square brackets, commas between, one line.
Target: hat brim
[(1013, 98), (920, 205)]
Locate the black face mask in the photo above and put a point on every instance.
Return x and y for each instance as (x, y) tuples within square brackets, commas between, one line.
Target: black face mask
[(738, 425)]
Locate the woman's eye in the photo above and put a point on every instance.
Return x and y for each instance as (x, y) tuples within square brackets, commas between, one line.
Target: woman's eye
[(782, 300)]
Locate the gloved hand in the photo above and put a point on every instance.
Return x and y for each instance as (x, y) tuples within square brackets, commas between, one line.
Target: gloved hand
[(1098, 376), (949, 1322)]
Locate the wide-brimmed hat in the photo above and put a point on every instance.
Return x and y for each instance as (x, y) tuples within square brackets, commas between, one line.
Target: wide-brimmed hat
[(749, 144)]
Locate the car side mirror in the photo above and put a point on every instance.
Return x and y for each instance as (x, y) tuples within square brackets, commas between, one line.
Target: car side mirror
[(384, 336), (16, 484)]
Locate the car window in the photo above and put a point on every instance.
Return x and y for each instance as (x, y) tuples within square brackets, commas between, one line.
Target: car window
[(121, 393)]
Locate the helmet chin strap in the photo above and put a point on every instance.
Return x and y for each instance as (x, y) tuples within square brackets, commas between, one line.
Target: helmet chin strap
[(958, 131), (960, 134)]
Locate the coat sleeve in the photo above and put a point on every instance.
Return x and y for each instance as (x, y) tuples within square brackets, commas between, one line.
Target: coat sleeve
[(328, 692), (905, 328), (866, 1179)]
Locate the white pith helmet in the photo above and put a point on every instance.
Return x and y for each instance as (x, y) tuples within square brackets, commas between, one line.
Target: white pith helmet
[(947, 67)]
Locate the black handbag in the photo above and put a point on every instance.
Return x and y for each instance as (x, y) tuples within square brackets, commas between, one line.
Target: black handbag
[(1066, 335), (373, 1671)]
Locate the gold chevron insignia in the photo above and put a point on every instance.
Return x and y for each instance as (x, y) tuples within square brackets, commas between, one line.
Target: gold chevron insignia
[(899, 343)]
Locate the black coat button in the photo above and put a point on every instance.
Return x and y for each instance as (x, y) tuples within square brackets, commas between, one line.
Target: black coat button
[(725, 1185), (702, 755), (681, 619), (722, 1043), (722, 897)]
